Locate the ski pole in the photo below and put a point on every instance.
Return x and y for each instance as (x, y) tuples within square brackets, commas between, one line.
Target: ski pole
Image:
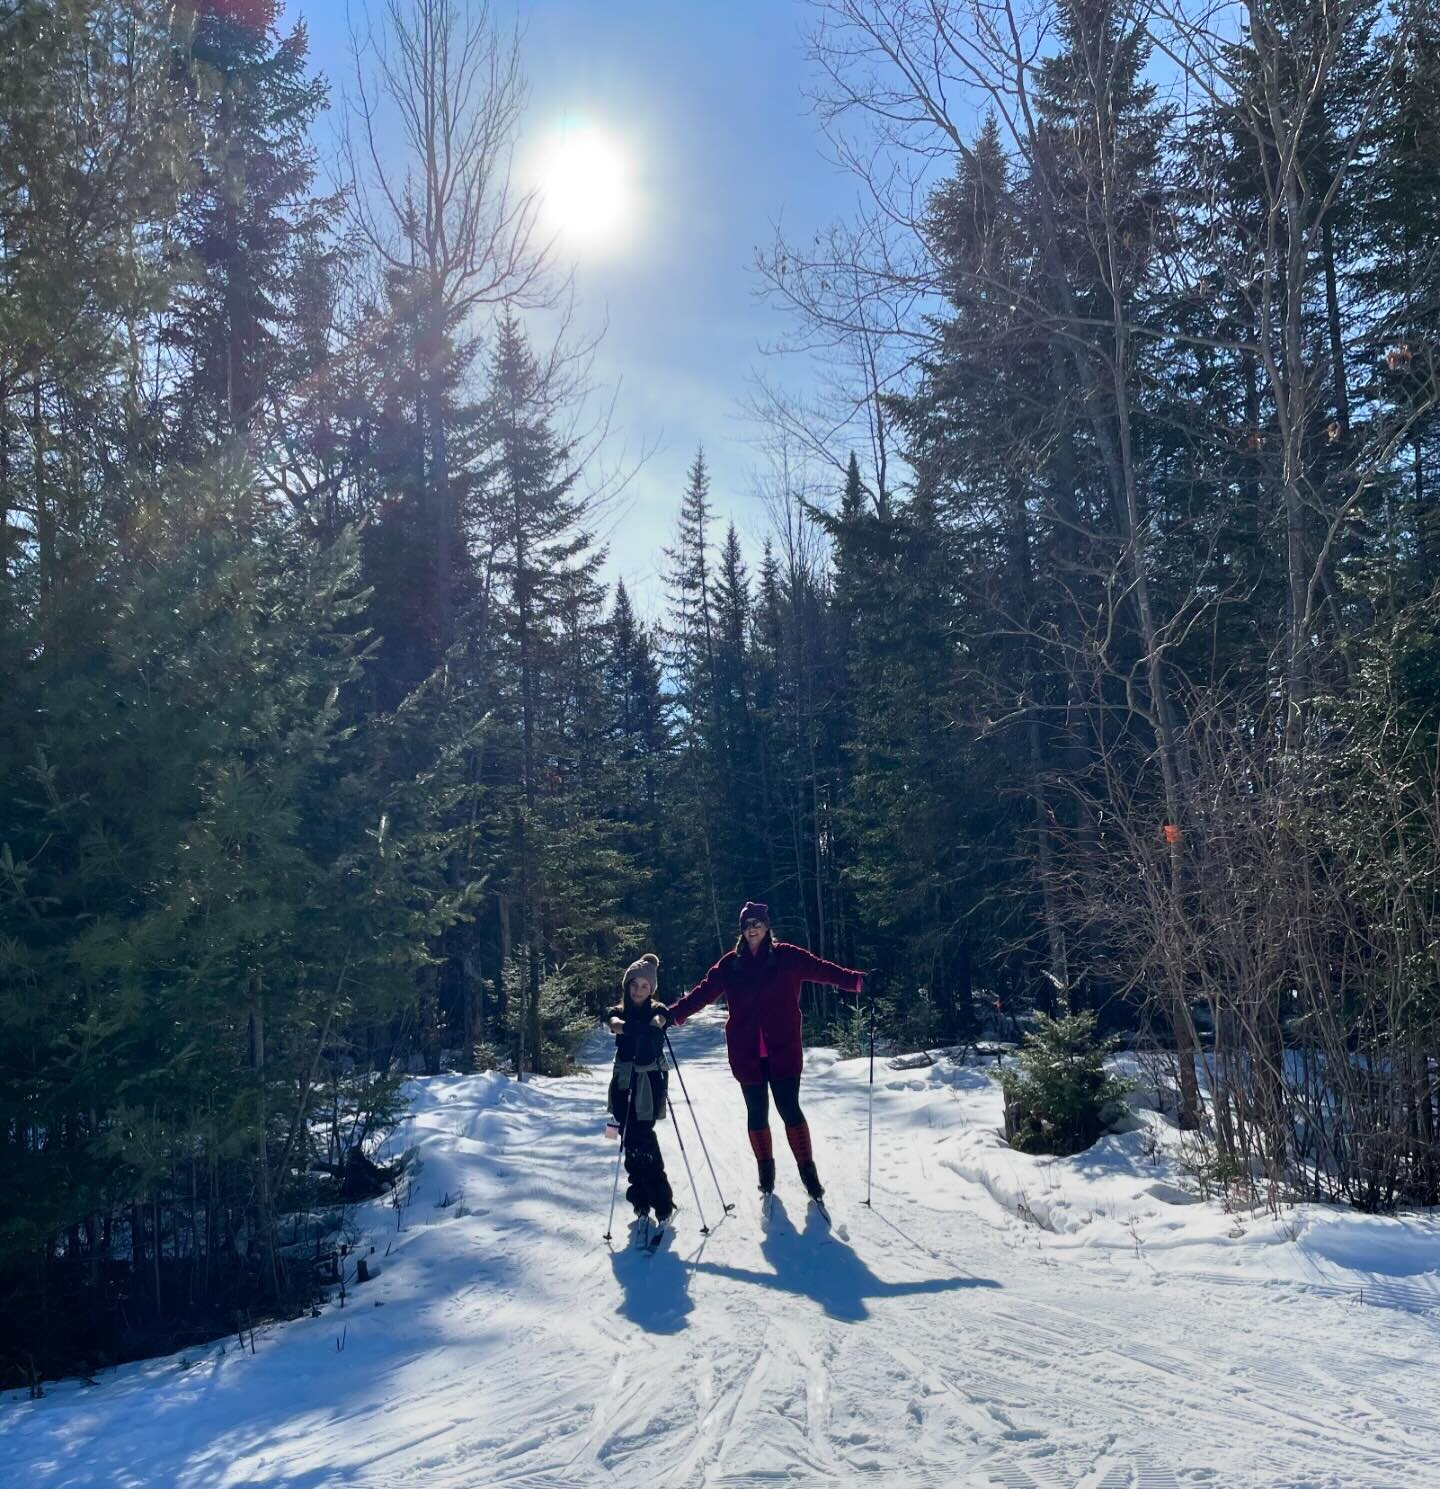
[(615, 1186), (696, 1120), (870, 1115), (700, 1209)]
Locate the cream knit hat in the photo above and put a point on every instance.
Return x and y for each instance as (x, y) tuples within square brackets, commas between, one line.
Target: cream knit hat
[(647, 967)]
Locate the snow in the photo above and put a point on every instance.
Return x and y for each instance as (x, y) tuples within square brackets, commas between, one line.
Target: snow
[(996, 1320), (1132, 1193)]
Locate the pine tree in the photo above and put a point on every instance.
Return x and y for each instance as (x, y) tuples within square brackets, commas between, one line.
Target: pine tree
[(633, 678), (773, 719), (251, 226), (222, 875), (641, 748), (904, 804), (91, 152), (690, 659), (740, 837), (732, 630), (545, 567), (1402, 284), (202, 895), (991, 432)]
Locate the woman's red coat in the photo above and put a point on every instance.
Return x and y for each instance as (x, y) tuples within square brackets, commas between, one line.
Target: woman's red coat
[(763, 995)]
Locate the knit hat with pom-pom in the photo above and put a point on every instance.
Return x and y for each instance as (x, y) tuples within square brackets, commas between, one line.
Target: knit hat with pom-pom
[(647, 967)]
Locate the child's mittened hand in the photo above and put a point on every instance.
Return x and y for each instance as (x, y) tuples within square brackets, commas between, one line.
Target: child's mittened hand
[(659, 1021), (617, 1026)]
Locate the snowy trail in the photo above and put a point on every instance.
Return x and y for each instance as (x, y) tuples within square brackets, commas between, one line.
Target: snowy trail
[(934, 1341)]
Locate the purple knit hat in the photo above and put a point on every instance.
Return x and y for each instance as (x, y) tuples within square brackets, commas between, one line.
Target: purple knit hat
[(754, 910)]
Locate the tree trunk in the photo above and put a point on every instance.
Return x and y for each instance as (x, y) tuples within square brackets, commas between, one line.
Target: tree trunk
[(472, 1007), (44, 515), (266, 1216), (1338, 381), (5, 575), (440, 477)]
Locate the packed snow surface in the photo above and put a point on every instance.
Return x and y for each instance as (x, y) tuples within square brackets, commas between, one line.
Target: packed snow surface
[(994, 1320)]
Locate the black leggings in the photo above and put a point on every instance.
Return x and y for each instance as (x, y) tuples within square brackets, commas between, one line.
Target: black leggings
[(757, 1100)]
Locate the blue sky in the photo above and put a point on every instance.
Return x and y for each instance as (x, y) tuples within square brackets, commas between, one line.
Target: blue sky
[(710, 98)]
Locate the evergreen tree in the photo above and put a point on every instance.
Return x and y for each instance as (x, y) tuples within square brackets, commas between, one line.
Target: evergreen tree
[(201, 895), (772, 716), (1401, 282), (255, 234), (992, 432), (691, 661), (545, 567), (633, 678), (739, 838), (91, 154), (642, 750)]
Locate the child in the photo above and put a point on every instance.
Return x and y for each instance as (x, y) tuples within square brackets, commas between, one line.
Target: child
[(637, 1087)]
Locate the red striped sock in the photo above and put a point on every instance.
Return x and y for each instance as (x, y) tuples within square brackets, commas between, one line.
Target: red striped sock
[(799, 1136), (760, 1143)]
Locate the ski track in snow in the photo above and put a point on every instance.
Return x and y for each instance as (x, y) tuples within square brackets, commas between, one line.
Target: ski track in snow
[(932, 1341)]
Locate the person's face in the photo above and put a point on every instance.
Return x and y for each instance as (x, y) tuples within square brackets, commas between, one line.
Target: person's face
[(640, 989), (754, 933)]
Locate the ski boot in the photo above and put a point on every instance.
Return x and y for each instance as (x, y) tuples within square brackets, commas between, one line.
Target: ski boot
[(767, 1175), (811, 1180)]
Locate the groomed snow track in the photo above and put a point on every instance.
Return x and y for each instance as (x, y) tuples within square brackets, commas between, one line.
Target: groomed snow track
[(934, 1341)]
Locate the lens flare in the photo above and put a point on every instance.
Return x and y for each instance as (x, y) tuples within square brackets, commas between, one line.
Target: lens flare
[(583, 178)]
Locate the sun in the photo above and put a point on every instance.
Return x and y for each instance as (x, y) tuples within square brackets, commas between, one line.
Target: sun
[(583, 180)]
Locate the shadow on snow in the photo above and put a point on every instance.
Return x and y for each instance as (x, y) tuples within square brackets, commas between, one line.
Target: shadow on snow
[(817, 1264), (655, 1290)]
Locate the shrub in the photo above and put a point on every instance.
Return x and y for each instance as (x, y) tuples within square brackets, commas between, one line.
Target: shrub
[(908, 1022), (850, 1031), (1061, 1097)]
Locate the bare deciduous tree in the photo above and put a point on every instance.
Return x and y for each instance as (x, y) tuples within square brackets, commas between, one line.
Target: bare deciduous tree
[(438, 97)]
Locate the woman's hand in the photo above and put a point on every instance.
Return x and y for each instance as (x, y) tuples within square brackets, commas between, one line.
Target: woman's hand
[(659, 1021), (617, 1024)]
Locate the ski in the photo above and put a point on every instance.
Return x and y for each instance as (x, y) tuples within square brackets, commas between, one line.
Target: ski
[(642, 1233), (819, 1204), (662, 1229)]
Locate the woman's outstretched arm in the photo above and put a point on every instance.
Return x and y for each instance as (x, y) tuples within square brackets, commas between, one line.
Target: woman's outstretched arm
[(816, 969), (706, 991)]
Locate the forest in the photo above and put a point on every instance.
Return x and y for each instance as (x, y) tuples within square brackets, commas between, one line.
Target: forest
[(1091, 662)]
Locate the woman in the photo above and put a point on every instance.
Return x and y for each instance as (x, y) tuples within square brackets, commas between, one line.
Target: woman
[(638, 1084), (760, 982)]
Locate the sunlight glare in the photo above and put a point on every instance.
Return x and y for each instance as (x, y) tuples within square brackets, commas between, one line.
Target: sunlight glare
[(583, 178)]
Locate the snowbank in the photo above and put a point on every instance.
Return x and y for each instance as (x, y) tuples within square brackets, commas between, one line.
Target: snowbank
[(1131, 1195)]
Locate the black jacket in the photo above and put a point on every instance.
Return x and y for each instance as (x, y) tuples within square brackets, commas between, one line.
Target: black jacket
[(639, 1043), (640, 1040)]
